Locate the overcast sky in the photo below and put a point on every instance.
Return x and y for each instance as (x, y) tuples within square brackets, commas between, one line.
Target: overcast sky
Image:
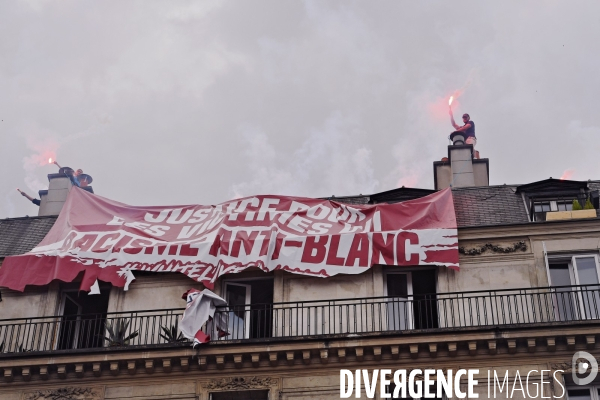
[(200, 102)]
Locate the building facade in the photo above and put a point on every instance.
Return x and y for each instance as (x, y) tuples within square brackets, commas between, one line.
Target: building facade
[(526, 299)]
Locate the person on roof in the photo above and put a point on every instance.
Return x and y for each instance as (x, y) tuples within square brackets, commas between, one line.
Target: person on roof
[(468, 131), (69, 172), (78, 178)]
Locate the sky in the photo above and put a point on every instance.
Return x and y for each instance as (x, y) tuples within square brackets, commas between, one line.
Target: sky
[(199, 102)]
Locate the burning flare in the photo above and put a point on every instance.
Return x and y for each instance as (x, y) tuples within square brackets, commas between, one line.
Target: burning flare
[(50, 160), (450, 101)]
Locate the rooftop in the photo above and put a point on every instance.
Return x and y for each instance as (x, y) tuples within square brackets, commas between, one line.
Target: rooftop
[(20, 235)]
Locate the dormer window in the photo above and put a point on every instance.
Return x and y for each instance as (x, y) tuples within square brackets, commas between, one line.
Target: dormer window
[(553, 196), (540, 208)]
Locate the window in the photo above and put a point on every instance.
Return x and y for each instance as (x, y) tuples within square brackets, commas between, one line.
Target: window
[(540, 208), (399, 307), (580, 302), (412, 300), (242, 395), (555, 195), (83, 319), (583, 393), (250, 308)]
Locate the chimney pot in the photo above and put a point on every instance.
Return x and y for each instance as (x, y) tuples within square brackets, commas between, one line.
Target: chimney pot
[(457, 138)]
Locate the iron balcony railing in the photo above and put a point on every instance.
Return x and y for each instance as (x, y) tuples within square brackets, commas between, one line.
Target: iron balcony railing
[(319, 318)]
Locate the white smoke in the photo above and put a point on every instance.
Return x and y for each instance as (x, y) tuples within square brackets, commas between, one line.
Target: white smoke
[(43, 148), (330, 161)]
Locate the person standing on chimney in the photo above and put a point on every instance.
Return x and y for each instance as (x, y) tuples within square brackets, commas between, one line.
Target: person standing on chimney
[(468, 131)]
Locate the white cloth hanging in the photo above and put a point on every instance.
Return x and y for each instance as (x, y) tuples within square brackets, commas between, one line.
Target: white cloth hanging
[(200, 308)]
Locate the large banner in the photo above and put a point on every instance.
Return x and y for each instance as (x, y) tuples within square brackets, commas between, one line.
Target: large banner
[(109, 241)]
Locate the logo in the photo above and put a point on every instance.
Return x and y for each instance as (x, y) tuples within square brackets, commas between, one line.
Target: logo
[(584, 363)]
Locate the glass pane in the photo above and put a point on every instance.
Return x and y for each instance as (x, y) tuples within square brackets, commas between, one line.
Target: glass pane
[(590, 295), (397, 285), (236, 299), (586, 269), (540, 210), (542, 207), (579, 394), (399, 309), (69, 328), (564, 205), (559, 274), (565, 299)]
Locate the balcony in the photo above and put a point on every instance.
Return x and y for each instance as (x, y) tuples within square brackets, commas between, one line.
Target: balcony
[(261, 323)]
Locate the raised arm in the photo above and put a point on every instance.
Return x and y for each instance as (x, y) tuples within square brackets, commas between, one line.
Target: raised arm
[(26, 195), (452, 119)]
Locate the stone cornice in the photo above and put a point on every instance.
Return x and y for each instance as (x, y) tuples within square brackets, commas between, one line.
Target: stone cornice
[(474, 344)]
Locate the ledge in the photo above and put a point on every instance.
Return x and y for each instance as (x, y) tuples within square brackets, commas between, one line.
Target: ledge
[(334, 352)]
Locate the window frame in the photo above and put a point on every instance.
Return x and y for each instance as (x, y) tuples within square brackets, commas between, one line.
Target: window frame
[(247, 303), (553, 202), (576, 270), (594, 391), (247, 282), (571, 261), (61, 314), (409, 298)]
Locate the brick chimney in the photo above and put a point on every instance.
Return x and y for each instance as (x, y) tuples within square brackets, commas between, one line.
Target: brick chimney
[(459, 169), (53, 199)]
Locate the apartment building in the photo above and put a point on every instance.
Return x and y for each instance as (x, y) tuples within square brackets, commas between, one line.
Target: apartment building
[(525, 298)]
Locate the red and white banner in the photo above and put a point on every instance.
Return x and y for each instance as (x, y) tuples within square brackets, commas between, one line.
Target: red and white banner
[(109, 241)]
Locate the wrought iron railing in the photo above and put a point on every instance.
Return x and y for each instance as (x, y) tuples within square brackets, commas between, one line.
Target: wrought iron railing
[(89, 331), (319, 318), (418, 312)]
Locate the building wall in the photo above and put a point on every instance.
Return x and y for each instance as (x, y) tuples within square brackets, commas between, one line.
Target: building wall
[(489, 270), (33, 302), (296, 379), (155, 292), (303, 288)]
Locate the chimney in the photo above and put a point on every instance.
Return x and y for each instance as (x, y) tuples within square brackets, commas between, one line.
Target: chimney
[(459, 169), (52, 200)]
